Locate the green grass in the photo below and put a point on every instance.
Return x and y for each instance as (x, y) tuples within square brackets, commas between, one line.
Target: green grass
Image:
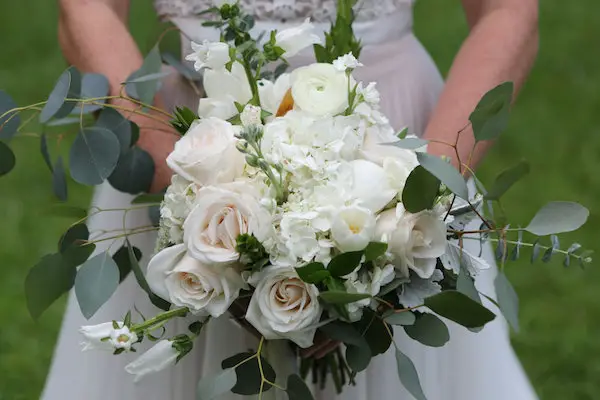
[(554, 126)]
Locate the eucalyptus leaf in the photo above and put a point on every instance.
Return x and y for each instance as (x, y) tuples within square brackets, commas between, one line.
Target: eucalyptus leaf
[(45, 152), (213, 387), (93, 86), (59, 180), (134, 172), (408, 375), (182, 68), (112, 120), (420, 190), (76, 235), (141, 279), (145, 90), (466, 285), (508, 301), (490, 117), (248, 374), (429, 330), (506, 180), (339, 297), (343, 332), (121, 258), (345, 263), (459, 308), (558, 217), (95, 283), (390, 287), (149, 198), (297, 389), (9, 124), (536, 250), (401, 318), (411, 143), (375, 250), (455, 256), (94, 155), (68, 86), (376, 332), (358, 357), (64, 121), (7, 159), (446, 173)]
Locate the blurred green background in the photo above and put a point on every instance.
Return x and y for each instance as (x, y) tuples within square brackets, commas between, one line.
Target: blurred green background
[(555, 125)]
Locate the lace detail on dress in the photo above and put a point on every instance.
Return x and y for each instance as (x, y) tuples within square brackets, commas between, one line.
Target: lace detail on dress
[(284, 10)]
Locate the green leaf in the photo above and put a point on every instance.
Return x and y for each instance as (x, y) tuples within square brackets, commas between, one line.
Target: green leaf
[(145, 90), (183, 69), (343, 332), (558, 217), (446, 173), (8, 129), (339, 297), (74, 236), (297, 389), (49, 279), (149, 198), (403, 318), (375, 332), (135, 133), (313, 273), (506, 179), (94, 155), (420, 190), (408, 376), (344, 263), (7, 159), (110, 119), (375, 250), (248, 374), (64, 121), (410, 143), (68, 86), (459, 308), (390, 287), (321, 54), (429, 330), (93, 86), (121, 258), (59, 180), (466, 285), (212, 387), (95, 283), (134, 172), (45, 152), (141, 280), (490, 117), (358, 357), (508, 301)]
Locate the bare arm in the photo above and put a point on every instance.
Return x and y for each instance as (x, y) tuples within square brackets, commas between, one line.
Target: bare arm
[(501, 46), (94, 37)]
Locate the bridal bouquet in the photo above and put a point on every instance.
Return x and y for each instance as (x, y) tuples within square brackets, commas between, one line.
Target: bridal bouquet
[(294, 208)]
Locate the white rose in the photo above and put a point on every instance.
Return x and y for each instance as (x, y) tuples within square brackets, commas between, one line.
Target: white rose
[(293, 40), (272, 93), (161, 356), (353, 228), (207, 154), (284, 307), (370, 185), (186, 282), (223, 89), (415, 240), (251, 115), (106, 337), (320, 89), (213, 55), (345, 62), (220, 215)]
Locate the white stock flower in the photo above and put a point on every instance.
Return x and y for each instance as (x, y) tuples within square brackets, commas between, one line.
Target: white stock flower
[(370, 185), (272, 93), (293, 40), (160, 356), (219, 216), (251, 115), (320, 90), (284, 307), (177, 204), (370, 93), (223, 89), (213, 55), (418, 289), (345, 62), (186, 282), (105, 337), (415, 240), (207, 154), (353, 228)]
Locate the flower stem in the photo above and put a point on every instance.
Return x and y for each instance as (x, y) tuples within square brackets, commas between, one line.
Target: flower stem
[(178, 312)]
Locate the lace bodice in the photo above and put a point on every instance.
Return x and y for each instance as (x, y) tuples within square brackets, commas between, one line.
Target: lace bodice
[(284, 10)]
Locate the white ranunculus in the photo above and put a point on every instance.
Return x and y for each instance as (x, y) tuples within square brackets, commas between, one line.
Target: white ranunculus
[(251, 115), (161, 356), (345, 62), (320, 90), (220, 215), (106, 337), (415, 240), (223, 89), (213, 55), (207, 154), (293, 40), (353, 228), (370, 185), (272, 93), (186, 282), (284, 307)]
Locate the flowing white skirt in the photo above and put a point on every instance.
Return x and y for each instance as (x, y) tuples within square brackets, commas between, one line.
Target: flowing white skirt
[(471, 366)]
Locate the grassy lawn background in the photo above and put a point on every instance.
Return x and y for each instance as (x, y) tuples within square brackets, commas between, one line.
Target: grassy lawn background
[(555, 126)]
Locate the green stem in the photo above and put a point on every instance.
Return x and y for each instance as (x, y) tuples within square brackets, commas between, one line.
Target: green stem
[(178, 312)]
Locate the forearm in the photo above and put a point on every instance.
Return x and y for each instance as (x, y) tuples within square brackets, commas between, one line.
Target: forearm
[(501, 47)]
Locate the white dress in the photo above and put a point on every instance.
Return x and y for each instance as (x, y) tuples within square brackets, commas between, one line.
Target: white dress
[(471, 366)]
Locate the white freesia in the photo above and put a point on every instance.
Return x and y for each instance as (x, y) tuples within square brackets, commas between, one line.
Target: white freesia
[(272, 93), (223, 88), (320, 89), (353, 228), (106, 337), (161, 356), (251, 115), (219, 216), (293, 40), (345, 62), (213, 55), (284, 307), (370, 185), (207, 154), (186, 282), (415, 240)]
